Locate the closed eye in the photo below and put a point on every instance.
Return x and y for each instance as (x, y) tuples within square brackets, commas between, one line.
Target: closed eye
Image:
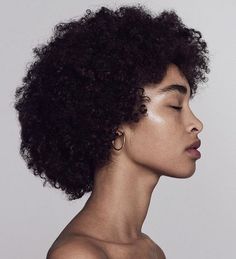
[(176, 107)]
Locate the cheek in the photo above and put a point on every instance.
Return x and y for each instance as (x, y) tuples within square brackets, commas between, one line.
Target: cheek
[(160, 153), (156, 143), (152, 138)]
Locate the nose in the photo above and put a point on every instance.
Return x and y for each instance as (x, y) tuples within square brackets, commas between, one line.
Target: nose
[(195, 124)]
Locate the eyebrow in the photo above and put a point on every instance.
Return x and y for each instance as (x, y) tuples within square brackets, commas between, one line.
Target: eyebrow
[(175, 87)]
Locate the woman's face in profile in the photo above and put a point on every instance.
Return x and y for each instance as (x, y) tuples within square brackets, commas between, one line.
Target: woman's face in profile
[(160, 139)]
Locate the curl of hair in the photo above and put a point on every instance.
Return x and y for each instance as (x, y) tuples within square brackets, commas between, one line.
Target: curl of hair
[(88, 79)]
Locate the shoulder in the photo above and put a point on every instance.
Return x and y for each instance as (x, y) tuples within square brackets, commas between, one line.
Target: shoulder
[(76, 248)]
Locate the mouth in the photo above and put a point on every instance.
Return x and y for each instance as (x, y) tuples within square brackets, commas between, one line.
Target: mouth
[(192, 149), (195, 144), (194, 153)]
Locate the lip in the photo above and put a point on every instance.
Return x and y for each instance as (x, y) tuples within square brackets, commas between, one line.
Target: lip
[(195, 144), (192, 149), (194, 153)]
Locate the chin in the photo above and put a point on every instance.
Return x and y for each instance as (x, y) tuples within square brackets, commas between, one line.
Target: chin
[(182, 174)]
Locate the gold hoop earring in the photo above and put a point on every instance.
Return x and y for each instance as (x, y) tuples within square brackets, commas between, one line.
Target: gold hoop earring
[(113, 141)]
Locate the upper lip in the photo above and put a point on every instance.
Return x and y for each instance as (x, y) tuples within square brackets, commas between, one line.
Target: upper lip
[(195, 144)]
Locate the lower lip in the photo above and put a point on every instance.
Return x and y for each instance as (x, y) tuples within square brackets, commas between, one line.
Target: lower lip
[(194, 152)]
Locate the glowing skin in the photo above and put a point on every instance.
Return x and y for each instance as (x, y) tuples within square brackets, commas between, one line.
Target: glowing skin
[(160, 139), (118, 205)]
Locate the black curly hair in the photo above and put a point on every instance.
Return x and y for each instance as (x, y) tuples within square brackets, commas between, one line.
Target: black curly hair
[(88, 79)]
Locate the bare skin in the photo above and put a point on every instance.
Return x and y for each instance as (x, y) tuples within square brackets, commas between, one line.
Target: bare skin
[(113, 216)]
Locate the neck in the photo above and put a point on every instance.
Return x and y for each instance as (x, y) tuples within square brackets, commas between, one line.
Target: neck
[(119, 202)]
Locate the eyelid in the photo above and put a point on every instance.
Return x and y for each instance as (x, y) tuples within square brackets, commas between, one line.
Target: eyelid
[(176, 107)]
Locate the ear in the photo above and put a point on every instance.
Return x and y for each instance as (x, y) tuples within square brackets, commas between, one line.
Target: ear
[(126, 128), (119, 132)]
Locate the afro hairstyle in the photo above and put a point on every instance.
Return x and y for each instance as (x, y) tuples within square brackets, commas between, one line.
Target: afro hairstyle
[(88, 79)]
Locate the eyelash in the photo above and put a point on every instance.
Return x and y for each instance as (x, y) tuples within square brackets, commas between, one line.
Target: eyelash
[(177, 108)]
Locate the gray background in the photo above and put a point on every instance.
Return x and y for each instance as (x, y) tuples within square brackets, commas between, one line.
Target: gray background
[(189, 218)]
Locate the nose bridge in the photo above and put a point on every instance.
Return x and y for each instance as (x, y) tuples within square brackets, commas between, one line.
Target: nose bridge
[(194, 123)]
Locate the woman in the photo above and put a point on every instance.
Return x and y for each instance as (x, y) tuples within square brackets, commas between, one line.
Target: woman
[(104, 107)]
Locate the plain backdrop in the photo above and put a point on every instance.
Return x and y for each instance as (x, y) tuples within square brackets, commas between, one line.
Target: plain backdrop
[(189, 218)]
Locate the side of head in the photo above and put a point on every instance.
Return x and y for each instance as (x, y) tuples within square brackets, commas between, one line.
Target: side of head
[(88, 79)]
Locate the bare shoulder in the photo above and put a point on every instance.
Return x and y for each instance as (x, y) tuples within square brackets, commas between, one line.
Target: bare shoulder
[(76, 248)]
